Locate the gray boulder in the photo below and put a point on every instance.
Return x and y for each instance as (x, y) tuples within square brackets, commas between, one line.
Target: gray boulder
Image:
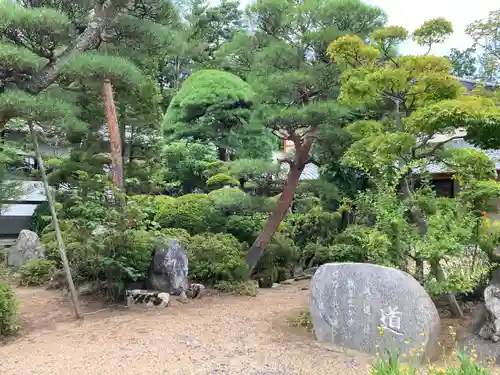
[(370, 308), (27, 247), (169, 268)]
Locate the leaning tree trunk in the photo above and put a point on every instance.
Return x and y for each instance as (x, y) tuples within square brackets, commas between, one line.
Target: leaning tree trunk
[(302, 150), (55, 223)]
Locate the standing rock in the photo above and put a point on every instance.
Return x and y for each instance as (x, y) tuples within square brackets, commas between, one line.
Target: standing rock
[(27, 247), (371, 308), (169, 269)]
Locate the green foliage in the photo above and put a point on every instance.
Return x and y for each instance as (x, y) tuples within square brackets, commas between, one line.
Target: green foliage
[(8, 310), (242, 288), (279, 259), (390, 364), (302, 320), (432, 32), (221, 180), (186, 165), (246, 228), (40, 218), (210, 106), (37, 272), (316, 226), (99, 67), (193, 212), (216, 257), (464, 62), (179, 234)]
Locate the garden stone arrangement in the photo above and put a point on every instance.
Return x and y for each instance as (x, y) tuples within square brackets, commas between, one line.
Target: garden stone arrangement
[(27, 247), (371, 308), (483, 334), (169, 269)]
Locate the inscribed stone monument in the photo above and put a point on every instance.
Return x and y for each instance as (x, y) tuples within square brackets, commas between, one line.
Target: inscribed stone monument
[(169, 268), (352, 303)]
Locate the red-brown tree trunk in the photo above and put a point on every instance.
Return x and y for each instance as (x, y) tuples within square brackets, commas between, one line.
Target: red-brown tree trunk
[(114, 135), (302, 150)]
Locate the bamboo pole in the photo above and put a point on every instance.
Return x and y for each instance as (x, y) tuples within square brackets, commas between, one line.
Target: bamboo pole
[(55, 223)]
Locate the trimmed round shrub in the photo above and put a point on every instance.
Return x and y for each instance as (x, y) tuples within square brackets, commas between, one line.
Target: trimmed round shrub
[(8, 310), (192, 212), (216, 257), (37, 272), (221, 180)]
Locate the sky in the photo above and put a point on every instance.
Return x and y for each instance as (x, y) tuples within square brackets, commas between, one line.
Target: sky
[(412, 13)]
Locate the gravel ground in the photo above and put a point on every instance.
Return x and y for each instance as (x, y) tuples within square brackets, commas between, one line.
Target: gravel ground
[(214, 335)]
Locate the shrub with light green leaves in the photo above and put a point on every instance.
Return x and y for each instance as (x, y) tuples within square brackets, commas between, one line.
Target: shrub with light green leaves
[(221, 180), (37, 272), (216, 257), (8, 311), (193, 212)]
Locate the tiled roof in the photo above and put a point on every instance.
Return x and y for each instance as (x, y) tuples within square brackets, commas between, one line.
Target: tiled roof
[(310, 171)]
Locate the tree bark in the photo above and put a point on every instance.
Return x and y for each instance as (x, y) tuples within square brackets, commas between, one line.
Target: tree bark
[(302, 150), (455, 309), (222, 153), (114, 135), (55, 223)]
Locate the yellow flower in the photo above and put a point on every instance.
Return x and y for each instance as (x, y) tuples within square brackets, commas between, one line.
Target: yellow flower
[(441, 370)]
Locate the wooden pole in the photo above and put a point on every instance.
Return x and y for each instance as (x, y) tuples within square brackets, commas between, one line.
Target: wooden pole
[(55, 223)]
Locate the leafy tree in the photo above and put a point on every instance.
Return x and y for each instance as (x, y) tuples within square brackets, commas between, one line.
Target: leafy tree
[(486, 37), (396, 151), (284, 60), (212, 106), (464, 62)]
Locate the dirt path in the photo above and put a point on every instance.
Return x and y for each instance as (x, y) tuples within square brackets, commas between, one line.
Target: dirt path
[(213, 335)]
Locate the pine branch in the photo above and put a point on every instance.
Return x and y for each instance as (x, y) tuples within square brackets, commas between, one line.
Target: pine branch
[(103, 15)]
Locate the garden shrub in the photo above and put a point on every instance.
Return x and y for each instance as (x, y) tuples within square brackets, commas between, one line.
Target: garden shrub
[(37, 272), (246, 228), (8, 310), (314, 226), (229, 201), (242, 288), (40, 218), (216, 257), (220, 180), (179, 234), (279, 259), (193, 212)]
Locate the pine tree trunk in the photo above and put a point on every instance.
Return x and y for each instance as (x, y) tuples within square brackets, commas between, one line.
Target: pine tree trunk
[(222, 153), (302, 150), (115, 141), (55, 223)]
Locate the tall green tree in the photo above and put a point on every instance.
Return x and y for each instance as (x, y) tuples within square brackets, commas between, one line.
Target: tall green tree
[(284, 59), (486, 36), (213, 106), (394, 152), (464, 62)]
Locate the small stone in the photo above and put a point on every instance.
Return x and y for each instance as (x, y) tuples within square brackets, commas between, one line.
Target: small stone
[(183, 298), (287, 282), (371, 308), (165, 299), (275, 285)]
